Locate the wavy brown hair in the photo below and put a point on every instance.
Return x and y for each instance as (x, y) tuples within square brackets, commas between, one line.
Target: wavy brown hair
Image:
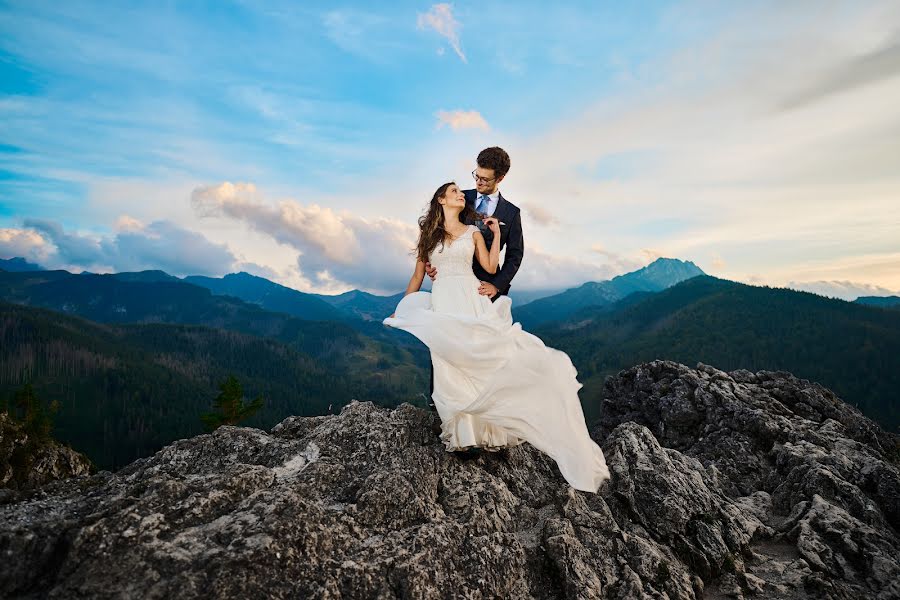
[(431, 224)]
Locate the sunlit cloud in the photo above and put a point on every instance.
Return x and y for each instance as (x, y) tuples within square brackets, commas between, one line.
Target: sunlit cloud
[(334, 247), (440, 18), (24, 243), (461, 119)]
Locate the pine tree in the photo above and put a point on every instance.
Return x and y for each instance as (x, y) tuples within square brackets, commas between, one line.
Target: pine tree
[(230, 405), (37, 420)]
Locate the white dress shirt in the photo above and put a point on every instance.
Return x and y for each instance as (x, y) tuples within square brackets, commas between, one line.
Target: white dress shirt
[(493, 199)]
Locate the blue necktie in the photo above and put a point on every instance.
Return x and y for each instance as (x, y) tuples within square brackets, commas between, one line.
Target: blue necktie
[(483, 205)]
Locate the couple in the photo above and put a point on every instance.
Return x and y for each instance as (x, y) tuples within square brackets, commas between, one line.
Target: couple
[(494, 384)]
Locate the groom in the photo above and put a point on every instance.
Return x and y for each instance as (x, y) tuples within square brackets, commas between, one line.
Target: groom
[(493, 165)]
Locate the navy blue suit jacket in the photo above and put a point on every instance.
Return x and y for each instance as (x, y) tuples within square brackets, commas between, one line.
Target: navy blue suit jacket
[(510, 237)]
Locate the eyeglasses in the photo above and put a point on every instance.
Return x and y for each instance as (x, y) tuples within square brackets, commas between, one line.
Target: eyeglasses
[(482, 179)]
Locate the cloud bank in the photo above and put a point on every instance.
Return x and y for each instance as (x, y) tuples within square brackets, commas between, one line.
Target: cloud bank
[(334, 247), (158, 245)]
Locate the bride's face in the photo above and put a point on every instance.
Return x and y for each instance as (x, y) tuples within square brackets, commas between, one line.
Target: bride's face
[(454, 197)]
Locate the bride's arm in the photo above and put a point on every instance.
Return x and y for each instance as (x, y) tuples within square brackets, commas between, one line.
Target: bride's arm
[(489, 259), (415, 282)]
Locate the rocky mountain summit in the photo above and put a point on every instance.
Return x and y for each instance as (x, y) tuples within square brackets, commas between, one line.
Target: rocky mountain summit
[(724, 485)]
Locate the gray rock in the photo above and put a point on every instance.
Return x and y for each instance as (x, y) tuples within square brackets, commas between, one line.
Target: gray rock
[(742, 485), (25, 464), (821, 479)]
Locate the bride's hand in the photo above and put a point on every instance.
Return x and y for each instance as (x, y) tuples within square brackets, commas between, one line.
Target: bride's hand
[(493, 224), (430, 270)]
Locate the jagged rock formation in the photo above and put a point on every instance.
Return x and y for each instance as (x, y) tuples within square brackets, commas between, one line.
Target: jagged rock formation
[(25, 464), (724, 485)]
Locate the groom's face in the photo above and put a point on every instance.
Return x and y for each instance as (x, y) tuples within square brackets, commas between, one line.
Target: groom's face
[(489, 186)]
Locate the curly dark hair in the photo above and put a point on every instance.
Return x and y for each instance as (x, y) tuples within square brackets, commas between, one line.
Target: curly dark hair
[(494, 158)]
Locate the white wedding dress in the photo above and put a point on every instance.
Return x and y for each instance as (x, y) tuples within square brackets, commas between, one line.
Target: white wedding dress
[(496, 385)]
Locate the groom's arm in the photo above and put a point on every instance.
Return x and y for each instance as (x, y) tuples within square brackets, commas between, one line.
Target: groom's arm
[(515, 248)]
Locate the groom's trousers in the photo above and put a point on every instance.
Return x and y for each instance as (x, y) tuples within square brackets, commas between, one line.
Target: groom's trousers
[(431, 383)]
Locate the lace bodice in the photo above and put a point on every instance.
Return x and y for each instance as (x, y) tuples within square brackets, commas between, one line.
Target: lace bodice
[(455, 258)]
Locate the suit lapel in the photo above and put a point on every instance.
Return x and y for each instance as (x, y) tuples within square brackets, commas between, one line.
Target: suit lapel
[(502, 210)]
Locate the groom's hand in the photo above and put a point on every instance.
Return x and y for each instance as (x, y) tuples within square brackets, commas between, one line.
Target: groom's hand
[(431, 271), (487, 289)]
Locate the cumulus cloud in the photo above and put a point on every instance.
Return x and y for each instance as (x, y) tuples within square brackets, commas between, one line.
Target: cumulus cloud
[(24, 243), (461, 119), (71, 248), (371, 254), (158, 245), (440, 18)]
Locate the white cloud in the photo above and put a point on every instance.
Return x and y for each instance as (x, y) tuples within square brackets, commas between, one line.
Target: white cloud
[(127, 223), (335, 247), (440, 18), (845, 290), (24, 243), (158, 245), (461, 119)]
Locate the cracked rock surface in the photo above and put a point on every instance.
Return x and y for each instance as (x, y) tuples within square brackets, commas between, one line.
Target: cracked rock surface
[(724, 485)]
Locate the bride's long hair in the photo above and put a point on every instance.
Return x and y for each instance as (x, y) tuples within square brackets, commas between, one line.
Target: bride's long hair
[(431, 225)]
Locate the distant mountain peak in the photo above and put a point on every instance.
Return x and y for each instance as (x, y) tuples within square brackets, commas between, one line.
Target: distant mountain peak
[(662, 273), (17, 264)]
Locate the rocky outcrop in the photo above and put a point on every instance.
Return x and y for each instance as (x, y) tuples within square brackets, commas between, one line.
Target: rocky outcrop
[(723, 485), (821, 479), (26, 464)]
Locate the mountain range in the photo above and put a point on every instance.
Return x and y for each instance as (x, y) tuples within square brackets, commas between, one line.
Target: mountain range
[(118, 350), (849, 347)]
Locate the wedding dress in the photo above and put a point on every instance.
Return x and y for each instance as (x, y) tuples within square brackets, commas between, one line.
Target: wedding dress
[(496, 385)]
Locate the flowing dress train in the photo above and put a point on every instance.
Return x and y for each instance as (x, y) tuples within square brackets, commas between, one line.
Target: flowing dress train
[(496, 385)]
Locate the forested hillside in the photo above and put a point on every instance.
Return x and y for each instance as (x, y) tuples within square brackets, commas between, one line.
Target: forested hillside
[(126, 390), (851, 348)]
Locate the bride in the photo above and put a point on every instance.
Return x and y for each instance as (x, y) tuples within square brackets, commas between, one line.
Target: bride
[(495, 385)]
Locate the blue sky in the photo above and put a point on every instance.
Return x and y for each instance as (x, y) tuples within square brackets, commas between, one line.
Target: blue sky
[(300, 141)]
